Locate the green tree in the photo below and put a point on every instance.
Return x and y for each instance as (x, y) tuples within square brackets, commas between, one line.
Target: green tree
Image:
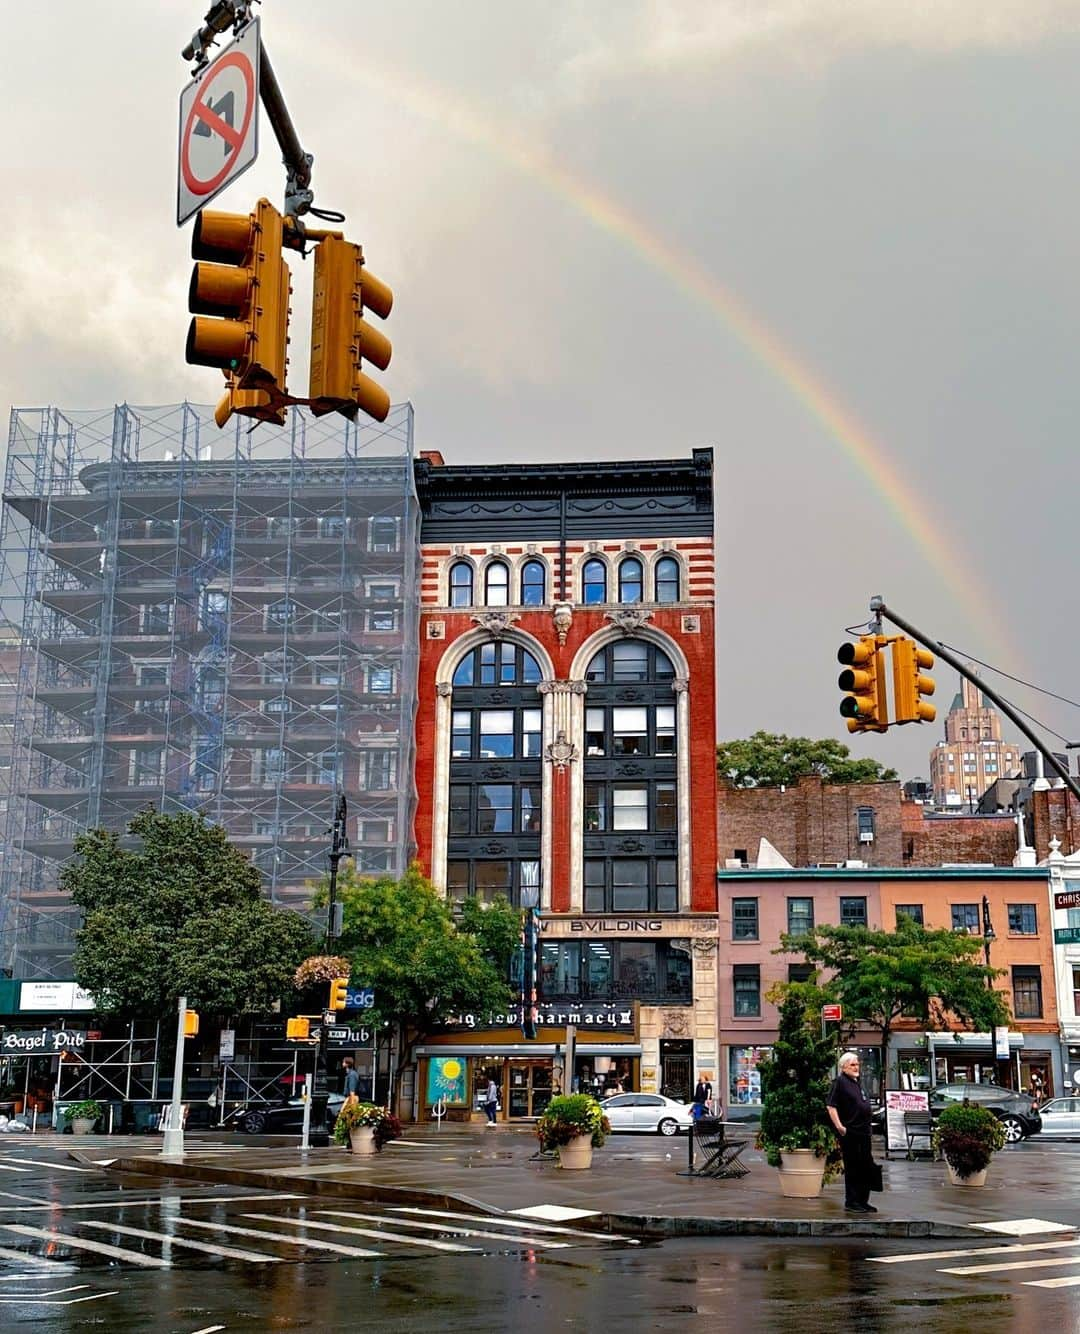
[(933, 976), (768, 759), (180, 914), (423, 964), (795, 1076)]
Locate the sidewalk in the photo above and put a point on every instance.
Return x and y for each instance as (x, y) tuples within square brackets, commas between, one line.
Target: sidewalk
[(634, 1183)]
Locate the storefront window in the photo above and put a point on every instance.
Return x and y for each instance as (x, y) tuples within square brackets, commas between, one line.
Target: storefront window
[(616, 970), (744, 1077)]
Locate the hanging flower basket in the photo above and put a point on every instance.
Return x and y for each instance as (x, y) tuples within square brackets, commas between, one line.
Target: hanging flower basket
[(320, 968)]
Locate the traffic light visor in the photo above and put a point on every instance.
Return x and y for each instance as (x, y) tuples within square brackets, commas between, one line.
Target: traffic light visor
[(224, 238), (855, 651)]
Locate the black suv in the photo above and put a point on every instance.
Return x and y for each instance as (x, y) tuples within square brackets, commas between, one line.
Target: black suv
[(1017, 1113)]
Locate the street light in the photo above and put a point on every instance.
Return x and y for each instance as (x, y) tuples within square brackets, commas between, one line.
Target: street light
[(988, 935)]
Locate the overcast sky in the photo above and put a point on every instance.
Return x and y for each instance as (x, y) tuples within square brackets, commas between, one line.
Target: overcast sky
[(805, 232)]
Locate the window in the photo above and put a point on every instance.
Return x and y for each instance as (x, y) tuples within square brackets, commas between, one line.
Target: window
[(215, 608), (629, 660), (382, 622), (1022, 919), (744, 919), (496, 733), (383, 534), (747, 988), (630, 807), (381, 680), (800, 916), (666, 809), (852, 912), (1076, 991), (272, 765), (533, 581), (1027, 992), (461, 735), (800, 972), (459, 822), (461, 584), (864, 822), (608, 970), (630, 884), (665, 729), (595, 808), (155, 619), (495, 808), (593, 582), (530, 808), (281, 614), (331, 525), (631, 580), (912, 910), (378, 770), (382, 591), (145, 767), (531, 723), (965, 917), (629, 731), (500, 664), (204, 769), (497, 584), (486, 879), (491, 879), (667, 579)]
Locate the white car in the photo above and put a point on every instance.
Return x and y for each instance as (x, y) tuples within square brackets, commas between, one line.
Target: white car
[(1061, 1116), (647, 1112)]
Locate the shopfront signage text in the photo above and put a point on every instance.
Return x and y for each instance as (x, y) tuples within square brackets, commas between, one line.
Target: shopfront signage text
[(609, 1018), (1067, 935), (617, 926), (1067, 898), (54, 997), (41, 1041), (343, 1037)]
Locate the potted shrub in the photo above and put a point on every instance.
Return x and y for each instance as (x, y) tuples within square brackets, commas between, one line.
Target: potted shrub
[(83, 1116), (365, 1127), (967, 1137), (795, 1133), (573, 1123)]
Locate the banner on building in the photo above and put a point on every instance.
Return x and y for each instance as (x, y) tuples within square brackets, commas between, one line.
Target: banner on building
[(446, 1078)]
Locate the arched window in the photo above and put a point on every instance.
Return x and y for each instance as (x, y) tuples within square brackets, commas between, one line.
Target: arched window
[(497, 664), (629, 660), (461, 584), (594, 582), (533, 580), (631, 580), (497, 584), (667, 579)]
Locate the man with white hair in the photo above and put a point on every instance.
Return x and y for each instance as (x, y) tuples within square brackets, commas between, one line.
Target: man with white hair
[(849, 1111)]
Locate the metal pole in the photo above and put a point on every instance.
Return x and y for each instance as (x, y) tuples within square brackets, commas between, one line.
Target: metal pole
[(305, 1141), (339, 847), (880, 609), (297, 162), (172, 1141)]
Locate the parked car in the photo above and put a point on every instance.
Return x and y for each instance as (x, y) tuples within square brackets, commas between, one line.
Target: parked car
[(1061, 1116), (278, 1118), (1017, 1112), (647, 1112)]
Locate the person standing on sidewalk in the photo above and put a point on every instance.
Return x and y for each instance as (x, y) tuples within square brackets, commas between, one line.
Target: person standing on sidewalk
[(491, 1101), (849, 1111)]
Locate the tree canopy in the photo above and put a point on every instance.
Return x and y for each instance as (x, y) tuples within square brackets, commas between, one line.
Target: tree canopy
[(767, 759), (181, 914), (932, 976)]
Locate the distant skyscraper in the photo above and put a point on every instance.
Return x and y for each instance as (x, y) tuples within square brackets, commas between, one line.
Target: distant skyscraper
[(973, 754)]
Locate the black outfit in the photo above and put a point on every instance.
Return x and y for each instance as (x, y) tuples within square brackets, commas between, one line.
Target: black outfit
[(703, 1092), (853, 1108)]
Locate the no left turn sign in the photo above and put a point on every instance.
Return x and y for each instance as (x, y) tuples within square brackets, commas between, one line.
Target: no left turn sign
[(219, 124)]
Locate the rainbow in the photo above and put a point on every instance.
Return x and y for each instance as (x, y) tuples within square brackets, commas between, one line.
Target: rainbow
[(687, 273)]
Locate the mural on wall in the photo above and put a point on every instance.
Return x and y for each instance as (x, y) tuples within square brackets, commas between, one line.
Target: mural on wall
[(446, 1079)]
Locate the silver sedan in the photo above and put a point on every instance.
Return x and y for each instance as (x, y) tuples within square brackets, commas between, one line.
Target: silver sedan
[(647, 1112), (1061, 1116)]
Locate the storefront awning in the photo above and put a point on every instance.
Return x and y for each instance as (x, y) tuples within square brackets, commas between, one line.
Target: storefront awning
[(530, 1049), (958, 1041)]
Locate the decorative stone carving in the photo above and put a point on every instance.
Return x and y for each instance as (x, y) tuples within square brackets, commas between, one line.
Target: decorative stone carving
[(436, 629), (496, 623), (629, 619), (676, 1023), (562, 688), (561, 751), (497, 697), (628, 695), (493, 773), (691, 625), (444, 689), (703, 946), (459, 551), (630, 769), (631, 845), (494, 848), (562, 614), (680, 685)]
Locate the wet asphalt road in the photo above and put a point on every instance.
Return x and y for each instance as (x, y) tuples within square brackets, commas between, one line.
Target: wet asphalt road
[(79, 1253)]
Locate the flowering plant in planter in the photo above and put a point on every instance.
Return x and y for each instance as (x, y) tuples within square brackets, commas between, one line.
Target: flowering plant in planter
[(967, 1137), (369, 1115), (320, 968), (569, 1116), (87, 1110)]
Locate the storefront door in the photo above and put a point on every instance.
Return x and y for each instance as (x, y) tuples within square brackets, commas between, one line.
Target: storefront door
[(530, 1088)]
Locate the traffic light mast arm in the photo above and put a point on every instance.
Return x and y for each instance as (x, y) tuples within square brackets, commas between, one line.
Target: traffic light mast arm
[(881, 611)]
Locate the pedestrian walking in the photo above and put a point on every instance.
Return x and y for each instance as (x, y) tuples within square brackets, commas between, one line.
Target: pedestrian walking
[(703, 1092), (849, 1111), (351, 1087), (491, 1101)]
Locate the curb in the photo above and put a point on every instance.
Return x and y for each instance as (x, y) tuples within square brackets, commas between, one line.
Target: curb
[(651, 1226)]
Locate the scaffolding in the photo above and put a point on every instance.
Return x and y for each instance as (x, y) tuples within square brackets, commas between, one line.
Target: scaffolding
[(205, 620)]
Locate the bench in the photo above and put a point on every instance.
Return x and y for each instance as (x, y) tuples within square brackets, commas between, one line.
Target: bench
[(721, 1153)]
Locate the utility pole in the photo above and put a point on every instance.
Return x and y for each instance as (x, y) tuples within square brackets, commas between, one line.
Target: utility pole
[(339, 847), (172, 1141)]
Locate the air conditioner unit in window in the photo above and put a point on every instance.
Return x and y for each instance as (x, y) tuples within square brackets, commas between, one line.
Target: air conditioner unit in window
[(866, 836)]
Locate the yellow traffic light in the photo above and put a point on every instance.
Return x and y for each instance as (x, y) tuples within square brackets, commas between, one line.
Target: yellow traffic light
[(297, 1030), (337, 993), (341, 339), (866, 704), (909, 685), (239, 296), (191, 1023)]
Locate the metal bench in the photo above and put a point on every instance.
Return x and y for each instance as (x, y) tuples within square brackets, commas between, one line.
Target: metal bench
[(918, 1128)]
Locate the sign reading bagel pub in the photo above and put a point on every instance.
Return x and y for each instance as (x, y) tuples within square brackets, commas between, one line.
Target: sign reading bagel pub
[(41, 1041)]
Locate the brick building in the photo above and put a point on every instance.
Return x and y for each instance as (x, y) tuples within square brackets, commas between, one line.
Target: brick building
[(566, 688)]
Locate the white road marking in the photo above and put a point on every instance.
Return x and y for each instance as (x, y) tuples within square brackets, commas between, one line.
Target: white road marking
[(166, 1202), (488, 1221), (1058, 1261), (5, 1168), (1014, 1248), (209, 1329), (167, 1238), (280, 1236), (555, 1213), (83, 1244), (365, 1232), (1024, 1227), (72, 1301), (6, 1253), (40, 1162), (52, 1292), (1053, 1283), (545, 1243)]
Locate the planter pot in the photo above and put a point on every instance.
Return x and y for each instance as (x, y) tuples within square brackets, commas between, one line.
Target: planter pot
[(362, 1139), (82, 1126), (976, 1178), (577, 1154), (801, 1171)]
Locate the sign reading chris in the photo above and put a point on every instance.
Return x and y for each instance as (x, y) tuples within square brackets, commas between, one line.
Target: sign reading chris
[(41, 1041)]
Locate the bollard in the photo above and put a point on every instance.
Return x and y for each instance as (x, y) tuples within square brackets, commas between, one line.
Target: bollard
[(690, 1146)]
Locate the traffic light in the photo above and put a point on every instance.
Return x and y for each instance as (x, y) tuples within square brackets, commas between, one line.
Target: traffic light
[(909, 684), (239, 296), (297, 1030), (191, 1023), (341, 339), (866, 704), (338, 993)]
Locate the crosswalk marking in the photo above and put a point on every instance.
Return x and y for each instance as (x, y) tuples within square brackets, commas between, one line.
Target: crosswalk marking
[(38, 1162), (490, 1221), (545, 1243), (167, 1238), (1014, 1264), (1071, 1282), (84, 1244), (1015, 1248), (366, 1232), (164, 1202), (281, 1236), (5, 1168), (1023, 1227)]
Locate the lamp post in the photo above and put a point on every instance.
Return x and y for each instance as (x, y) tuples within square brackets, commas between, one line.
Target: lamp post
[(988, 936), (530, 902)]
